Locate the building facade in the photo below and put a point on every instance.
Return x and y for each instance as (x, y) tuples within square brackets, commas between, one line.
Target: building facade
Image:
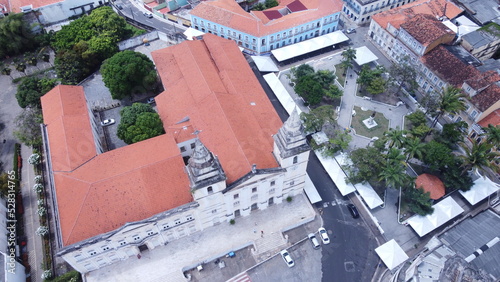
[(484, 42), (361, 11), (181, 182), (259, 32)]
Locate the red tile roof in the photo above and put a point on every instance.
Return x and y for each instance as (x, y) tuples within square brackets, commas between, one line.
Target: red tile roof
[(398, 16), (296, 6), (17, 4), (431, 184), (68, 126), (273, 14), (4, 4), (493, 119), (426, 29), (448, 67), (487, 97), (483, 80), (210, 81), (229, 13), (97, 194)]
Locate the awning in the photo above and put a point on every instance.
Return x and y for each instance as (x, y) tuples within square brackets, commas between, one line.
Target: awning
[(281, 93), (369, 195), (265, 64), (308, 46), (364, 56), (336, 173), (311, 191), (482, 188), (191, 32), (391, 254), (443, 212)]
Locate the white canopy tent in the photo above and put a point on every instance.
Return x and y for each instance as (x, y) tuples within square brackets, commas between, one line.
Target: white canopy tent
[(281, 93), (443, 212), (311, 191), (364, 56), (391, 254), (482, 188), (265, 64), (369, 195), (191, 32), (308, 46), (336, 173)]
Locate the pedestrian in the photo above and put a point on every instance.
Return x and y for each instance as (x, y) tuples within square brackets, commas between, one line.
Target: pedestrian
[(346, 82), (350, 75), (254, 231), (261, 233)]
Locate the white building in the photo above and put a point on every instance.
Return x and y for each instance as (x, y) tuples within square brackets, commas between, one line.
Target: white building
[(225, 153), (361, 11)]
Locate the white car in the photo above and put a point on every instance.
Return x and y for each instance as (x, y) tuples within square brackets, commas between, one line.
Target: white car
[(107, 122), (148, 15), (287, 258), (324, 236), (314, 241)]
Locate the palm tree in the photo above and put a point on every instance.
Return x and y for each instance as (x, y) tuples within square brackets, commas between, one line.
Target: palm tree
[(413, 147), (348, 57), (492, 134), (479, 157), (396, 137), (395, 156), (449, 102), (394, 175)]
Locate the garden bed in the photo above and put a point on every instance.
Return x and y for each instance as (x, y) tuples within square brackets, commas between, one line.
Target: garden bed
[(360, 128)]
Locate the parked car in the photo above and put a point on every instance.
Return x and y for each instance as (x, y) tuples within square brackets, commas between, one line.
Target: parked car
[(313, 240), (350, 30), (287, 258), (107, 122), (151, 100), (354, 211), (148, 15), (324, 235)]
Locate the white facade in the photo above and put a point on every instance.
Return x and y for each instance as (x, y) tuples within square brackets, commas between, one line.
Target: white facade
[(214, 202), (361, 11), (63, 10)]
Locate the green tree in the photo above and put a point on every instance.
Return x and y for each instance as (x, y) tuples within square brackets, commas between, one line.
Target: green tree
[(450, 101), (479, 157), (314, 120), (31, 89), (28, 127), (367, 164), (348, 57), (333, 92), (452, 133), (492, 134), (377, 86), (271, 3), (367, 75), (403, 74), (417, 118), (70, 67), (5, 70), (340, 142), (395, 137), (325, 78), (126, 72), (15, 35), (139, 122), (309, 89), (420, 131), (414, 147), (418, 201), (301, 71), (438, 155), (395, 156), (454, 178), (259, 7), (394, 175)]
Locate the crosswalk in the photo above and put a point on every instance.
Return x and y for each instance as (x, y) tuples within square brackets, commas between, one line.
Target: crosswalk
[(242, 277)]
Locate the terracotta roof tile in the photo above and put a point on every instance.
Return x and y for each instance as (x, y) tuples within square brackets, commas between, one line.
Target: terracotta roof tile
[(482, 80), (398, 16), (210, 81), (17, 4), (296, 6), (229, 13), (66, 117), (432, 184), (426, 29), (487, 97), (493, 119), (448, 67)]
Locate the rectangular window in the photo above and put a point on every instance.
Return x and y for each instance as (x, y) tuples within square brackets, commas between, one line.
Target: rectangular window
[(92, 253), (273, 183), (236, 196), (236, 203), (122, 243), (193, 145), (150, 232), (136, 238), (214, 211), (166, 226), (189, 217), (178, 221), (105, 248), (183, 149), (473, 114), (271, 191), (254, 189), (254, 197)]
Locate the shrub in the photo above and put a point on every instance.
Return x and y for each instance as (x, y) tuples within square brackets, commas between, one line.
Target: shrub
[(232, 221), (289, 199)]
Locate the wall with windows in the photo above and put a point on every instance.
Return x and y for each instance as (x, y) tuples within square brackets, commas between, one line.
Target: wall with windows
[(258, 45), (361, 11)]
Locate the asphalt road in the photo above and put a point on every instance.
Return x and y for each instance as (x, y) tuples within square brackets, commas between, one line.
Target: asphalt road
[(350, 256)]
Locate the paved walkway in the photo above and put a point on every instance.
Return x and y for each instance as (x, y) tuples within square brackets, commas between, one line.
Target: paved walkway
[(167, 263)]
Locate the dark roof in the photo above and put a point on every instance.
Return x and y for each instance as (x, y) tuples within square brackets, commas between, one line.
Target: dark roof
[(296, 6), (273, 14), (487, 97), (426, 29)]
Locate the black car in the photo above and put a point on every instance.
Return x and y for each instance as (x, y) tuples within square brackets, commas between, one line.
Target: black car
[(354, 211)]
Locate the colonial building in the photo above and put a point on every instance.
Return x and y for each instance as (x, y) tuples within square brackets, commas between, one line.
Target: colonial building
[(225, 153), (484, 42), (361, 11), (259, 32)]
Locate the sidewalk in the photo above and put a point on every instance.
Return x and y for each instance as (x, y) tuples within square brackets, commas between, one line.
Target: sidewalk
[(31, 220), (167, 263)]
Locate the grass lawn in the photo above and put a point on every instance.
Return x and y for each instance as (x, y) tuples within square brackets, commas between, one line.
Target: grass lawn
[(361, 129), (340, 74)]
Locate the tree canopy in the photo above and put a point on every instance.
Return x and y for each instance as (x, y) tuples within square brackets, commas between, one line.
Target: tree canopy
[(15, 35), (31, 89), (313, 86), (139, 122), (314, 120), (126, 72), (367, 165), (28, 127), (437, 155), (418, 201), (371, 79), (403, 74), (348, 57)]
